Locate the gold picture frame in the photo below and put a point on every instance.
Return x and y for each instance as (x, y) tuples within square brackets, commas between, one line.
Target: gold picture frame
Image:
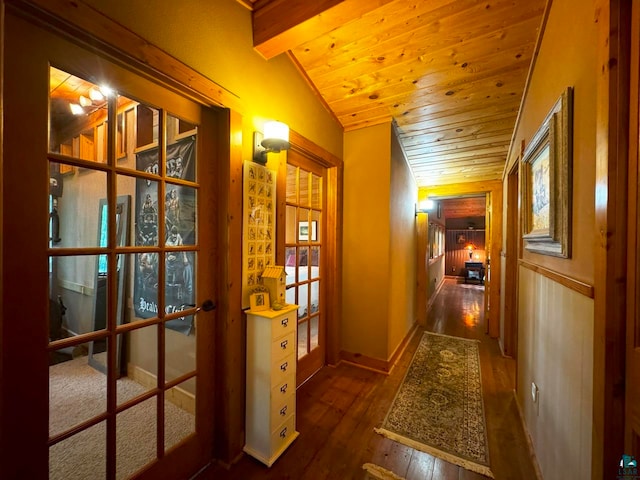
[(546, 182), (259, 301)]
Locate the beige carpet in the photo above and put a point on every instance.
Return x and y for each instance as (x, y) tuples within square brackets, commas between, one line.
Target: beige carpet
[(78, 393), (439, 407)]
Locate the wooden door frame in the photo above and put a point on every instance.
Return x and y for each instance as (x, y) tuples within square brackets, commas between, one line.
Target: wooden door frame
[(493, 191), (97, 32), (611, 216), (632, 410), (510, 345), (332, 245)]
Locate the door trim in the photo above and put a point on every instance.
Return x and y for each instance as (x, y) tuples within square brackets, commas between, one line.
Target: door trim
[(611, 214), (80, 23), (332, 246), (99, 34), (510, 338), (493, 191)]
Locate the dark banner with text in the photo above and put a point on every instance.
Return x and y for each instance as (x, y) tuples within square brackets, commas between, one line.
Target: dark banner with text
[(178, 208)]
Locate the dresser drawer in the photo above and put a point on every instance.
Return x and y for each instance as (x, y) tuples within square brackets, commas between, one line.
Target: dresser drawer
[(283, 389), (283, 326), (283, 347), (282, 409), (283, 433), (281, 368)]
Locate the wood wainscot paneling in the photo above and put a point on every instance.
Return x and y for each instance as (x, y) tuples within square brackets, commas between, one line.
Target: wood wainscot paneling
[(576, 285)]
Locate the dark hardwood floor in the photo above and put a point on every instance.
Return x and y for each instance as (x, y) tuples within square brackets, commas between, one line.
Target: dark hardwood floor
[(340, 406)]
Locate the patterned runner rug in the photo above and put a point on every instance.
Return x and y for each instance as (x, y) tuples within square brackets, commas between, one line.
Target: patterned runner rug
[(438, 408)]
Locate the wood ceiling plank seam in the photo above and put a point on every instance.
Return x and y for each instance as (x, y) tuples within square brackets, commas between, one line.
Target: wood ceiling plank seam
[(409, 117), (487, 125), (462, 124), (414, 56), (393, 92), (469, 153), (455, 177), (453, 159), (444, 72), (490, 169), (479, 161), (438, 94), (462, 120), (342, 40), (490, 106), (368, 123), (468, 147), (361, 103), (284, 24), (435, 143), (350, 43), (507, 104), (400, 105), (467, 140)]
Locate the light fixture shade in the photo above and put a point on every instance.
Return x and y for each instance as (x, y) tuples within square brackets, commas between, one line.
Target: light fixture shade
[(96, 95), (84, 101), (427, 204), (276, 136), (76, 109)]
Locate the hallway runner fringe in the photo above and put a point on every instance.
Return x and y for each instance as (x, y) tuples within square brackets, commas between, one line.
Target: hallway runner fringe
[(438, 408), (377, 472)]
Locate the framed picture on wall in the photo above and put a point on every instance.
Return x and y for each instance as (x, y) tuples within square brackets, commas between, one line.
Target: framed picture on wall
[(546, 182), (304, 234)]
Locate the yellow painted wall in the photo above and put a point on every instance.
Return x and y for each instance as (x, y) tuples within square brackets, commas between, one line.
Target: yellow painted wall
[(568, 58), (379, 244), (366, 241), (215, 38), (403, 249), (555, 324)]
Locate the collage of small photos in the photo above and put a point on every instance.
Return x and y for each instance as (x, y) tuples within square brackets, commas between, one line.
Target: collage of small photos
[(259, 209)]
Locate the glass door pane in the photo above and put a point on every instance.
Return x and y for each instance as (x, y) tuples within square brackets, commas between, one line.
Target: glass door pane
[(123, 265), (303, 245)]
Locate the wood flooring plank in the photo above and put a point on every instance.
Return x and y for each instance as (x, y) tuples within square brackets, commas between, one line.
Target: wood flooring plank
[(338, 409), (421, 466)]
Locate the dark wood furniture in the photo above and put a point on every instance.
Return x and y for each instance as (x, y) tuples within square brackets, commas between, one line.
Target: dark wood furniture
[(474, 272)]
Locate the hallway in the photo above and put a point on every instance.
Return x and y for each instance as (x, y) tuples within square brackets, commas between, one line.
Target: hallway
[(339, 408)]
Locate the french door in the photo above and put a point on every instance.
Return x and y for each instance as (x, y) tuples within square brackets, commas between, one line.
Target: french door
[(116, 245), (304, 242)]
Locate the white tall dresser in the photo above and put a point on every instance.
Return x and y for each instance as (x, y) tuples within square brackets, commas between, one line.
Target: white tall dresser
[(271, 382)]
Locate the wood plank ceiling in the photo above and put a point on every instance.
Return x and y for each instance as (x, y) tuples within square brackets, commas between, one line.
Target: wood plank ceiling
[(449, 73)]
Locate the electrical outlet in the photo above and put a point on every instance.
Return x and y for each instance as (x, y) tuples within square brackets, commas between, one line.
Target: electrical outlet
[(534, 392)]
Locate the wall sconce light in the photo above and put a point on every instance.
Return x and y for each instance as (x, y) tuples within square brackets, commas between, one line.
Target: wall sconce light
[(275, 139), (425, 206)]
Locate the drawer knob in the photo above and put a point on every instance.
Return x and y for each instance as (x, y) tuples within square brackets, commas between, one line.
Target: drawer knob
[(283, 388), (284, 322), (284, 366), (283, 411), (283, 344), (283, 433)]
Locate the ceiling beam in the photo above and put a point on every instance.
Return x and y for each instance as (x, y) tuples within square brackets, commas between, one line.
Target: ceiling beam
[(282, 25)]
